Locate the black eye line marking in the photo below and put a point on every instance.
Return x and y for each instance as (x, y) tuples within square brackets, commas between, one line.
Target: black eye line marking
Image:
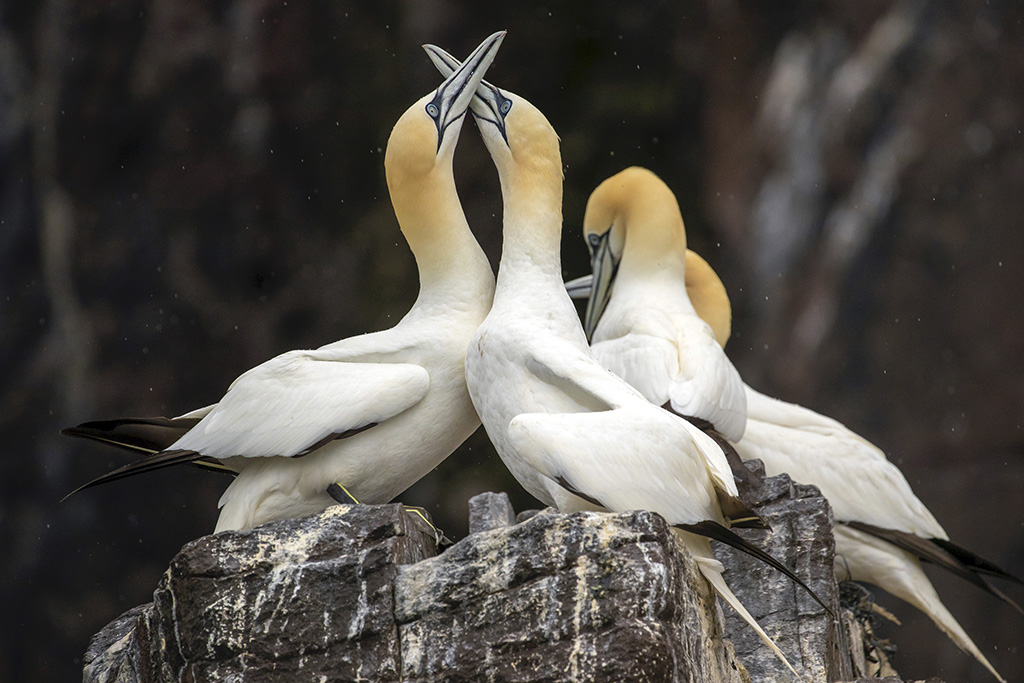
[(438, 104), (493, 105)]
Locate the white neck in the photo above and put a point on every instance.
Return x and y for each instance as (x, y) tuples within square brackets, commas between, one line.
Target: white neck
[(530, 253)]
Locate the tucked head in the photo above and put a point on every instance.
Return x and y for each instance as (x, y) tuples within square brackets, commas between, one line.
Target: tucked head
[(708, 296), (637, 207), (633, 221)]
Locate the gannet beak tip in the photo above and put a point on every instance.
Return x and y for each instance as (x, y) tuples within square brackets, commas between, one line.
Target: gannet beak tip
[(452, 98), (488, 98)]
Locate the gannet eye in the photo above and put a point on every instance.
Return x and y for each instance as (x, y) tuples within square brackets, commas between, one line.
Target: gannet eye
[(505, 106), (593, 241), (432, 110)]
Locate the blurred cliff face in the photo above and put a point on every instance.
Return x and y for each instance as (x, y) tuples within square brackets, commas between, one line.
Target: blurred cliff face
[(189, 189)]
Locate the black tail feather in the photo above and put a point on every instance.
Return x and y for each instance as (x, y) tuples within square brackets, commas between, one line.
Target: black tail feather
[(738, 512), (717, 532), (145, 434), (929, 550), (975, 562), (989, 587), (148, 464)]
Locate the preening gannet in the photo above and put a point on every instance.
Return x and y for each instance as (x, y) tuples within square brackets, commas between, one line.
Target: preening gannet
[(371, 413), (882, 528), (637, 240), (572, 433)]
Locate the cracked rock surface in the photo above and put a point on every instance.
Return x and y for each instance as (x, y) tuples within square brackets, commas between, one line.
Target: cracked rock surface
[(583, 597), (358, 593), (353, 594), (801, 538), (298, 600)]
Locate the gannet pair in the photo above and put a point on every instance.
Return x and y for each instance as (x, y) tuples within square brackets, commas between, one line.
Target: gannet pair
[(575, 435), (371, 414), (882, 528)]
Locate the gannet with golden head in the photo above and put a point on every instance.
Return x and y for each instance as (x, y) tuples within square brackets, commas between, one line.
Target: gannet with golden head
[(370, 414), (637, 241), (574, 434), (882, 529)]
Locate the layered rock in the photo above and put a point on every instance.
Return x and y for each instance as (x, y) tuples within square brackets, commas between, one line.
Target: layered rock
[(359, 593)]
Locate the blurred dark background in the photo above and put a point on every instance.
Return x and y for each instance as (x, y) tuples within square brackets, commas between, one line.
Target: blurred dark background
[(189, 188)]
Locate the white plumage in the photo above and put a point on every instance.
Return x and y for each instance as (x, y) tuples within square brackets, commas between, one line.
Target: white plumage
[(637, 240), (859, 482), (572, 433), (373, 413), (862, 486)]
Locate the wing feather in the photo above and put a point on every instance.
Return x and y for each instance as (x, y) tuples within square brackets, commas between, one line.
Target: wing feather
[(676, 360), (298, 399), (606, 458), (860, 484)]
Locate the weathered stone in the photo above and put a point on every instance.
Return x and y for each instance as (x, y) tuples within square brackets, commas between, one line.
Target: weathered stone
[(527, 514), (869, 653), (298, 600), (355, 594), (490, 511), (801, 538), (113, 655), (582, 597)]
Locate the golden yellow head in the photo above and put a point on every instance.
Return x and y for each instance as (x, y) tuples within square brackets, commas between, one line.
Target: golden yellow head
[(422, 144), (708, 296), (526, 140), (632, 223), (642, 214), (519, 138), (414, 147)]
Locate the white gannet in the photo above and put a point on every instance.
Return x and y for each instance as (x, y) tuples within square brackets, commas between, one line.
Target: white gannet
[(687, 369), (634, 230), (882, 528), (572, 433), (370, 414)]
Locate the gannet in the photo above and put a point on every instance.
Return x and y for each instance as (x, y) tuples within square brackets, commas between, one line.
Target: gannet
[(882, 529), (634, 230), (370, 414), (572, 433)]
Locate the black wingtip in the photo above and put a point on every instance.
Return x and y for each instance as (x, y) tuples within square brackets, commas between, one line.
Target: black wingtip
[(994, 590), (717, 532), (974, 561), (947, 555), (137, 434), (750, 523), (148, 464)]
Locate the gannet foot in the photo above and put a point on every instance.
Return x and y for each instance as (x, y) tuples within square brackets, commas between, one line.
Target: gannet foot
[(439, 538), (341, 494)]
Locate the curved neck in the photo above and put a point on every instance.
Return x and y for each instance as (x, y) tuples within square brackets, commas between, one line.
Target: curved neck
[(532, 233), (452, 266)]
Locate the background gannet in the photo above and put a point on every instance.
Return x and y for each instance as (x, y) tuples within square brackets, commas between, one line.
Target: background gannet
[(372, 413), (636, 237), (883, 530), (572, 433)]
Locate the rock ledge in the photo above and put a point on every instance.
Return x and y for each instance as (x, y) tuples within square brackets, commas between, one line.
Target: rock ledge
[(359, 593)]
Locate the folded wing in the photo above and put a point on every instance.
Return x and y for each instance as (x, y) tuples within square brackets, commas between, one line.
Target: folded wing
[(297, 401)]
